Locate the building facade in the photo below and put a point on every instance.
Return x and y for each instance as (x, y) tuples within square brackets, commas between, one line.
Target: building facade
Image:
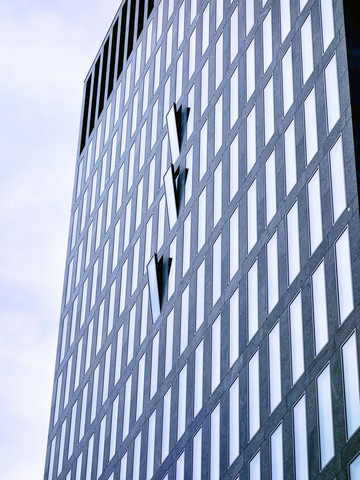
[(210, 316)]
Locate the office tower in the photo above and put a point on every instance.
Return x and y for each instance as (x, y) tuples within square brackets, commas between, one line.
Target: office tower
[(210, 316)]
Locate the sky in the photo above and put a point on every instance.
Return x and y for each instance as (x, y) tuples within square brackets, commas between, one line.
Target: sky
[(46, 50)]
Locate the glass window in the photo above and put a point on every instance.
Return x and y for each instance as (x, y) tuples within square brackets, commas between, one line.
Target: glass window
[(290, 157), (154, 123), (198, 378), (146, 91), (234, 421), (332, 93), (327, 22), (172, 273), (192, 53), (287, 79), (161, 222), (184, 319), (234, 97), (191, 106), (134, 112), (249, 15), (217, 269), (169, 343), (218, 124), (68, 380), (219, 61), (180, 468), (181, 24), (123, 133), (215, 443), (205, 28), (127, 225), (197, 440), (200, 293), (215, 353), (90, 457), (148, 42), (251, 216), (274, 367), (151, 182), (69, 280), (234, 328), (154, 365), (325, 417), (234, 168), (219, 12), (94, 393), (169, 47), (100, 455), (254, 395), (131, 334), (202, 219), (119, 342), (144, 313), (254, 467), (300, 440), (250, 69), (355, 468), (252, 304), (285, 18), (234, 243), (135, 267), (315, 217), (344, 276), (61, 448), (319, 308), (114, 421), (179, 72), (269, 110), (138, 62), (186, 244), (337, 179), (140, 387), (164, 158), (188, 184), (267, 41), (166, 425), (120, 188), (151, 446), (203, 151), (204, 86), (270, 185), (88, 246), (217, 193), (351, 385), (88, 346), (276, 449), (157, 69), (72, 430), (58, 395), (148, 235), (250, 140), (123, 286), (234, 34), (106, 375), (307, 49), (166, 105), (181, 409), (136, 462), (296, 339), (293, 243), (127, 401)]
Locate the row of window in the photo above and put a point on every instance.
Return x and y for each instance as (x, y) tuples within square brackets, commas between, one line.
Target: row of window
[(175, 400)]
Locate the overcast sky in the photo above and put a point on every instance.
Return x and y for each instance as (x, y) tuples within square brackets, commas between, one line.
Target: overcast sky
[(46, 49)]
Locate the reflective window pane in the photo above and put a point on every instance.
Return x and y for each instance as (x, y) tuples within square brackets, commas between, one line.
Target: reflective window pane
[(332, 93), (319, 308), (300, 440), (344, 275), (254, 395), (276, 449), (351, 385), (325, 417)]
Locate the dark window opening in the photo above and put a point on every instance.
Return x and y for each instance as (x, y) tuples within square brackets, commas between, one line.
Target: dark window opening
[(141, 17), (150, 7), (131, 28), (94, 96), (112, 57), (103, 76), (85, 114), (122, 39)]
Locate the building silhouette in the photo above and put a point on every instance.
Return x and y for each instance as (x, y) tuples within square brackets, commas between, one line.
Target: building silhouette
[(210, 316)]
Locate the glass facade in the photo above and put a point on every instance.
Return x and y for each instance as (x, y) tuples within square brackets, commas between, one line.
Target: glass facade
[(210, 317)]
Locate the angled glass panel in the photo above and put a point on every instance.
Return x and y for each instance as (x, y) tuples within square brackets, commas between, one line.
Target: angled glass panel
[(152, 272), (170, 193), (173, 133)]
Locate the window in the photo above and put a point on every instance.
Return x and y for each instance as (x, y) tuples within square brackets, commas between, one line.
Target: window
[(169, 343), (94, 393), (274, 367), (234, 34), (267, 41), (307, 49), (181, 24), (250, 70), (276, 450), (157, 69), (254, 395), (200, 294), (219, 12), (144, 313), (114, 421), (135, 267), (123, 287), (198, 378), (186, 244), (146, 91), (290, 157), (154, 123), (254, 467), (337, 179), (191, 106), (181, 409), (250, 140), (90, 456), (169, 47), (148, 235), (217, 193), (327, 22), (100, 455), (166, 425), (127, 400), (151, 446), (234, 421), (180, 468), (197, 455), (189, 167), (136, 462), (234, 328), (315, 217), (119, 342), (161, 222), (287, 79), (62, 445), (123, 466), (140, 387), (203, 151), (184, 319), (355, 468), (205, 28), (234, 97), (344, 276), (106, 375), (325, 417), (272, 273), (204, 87), (215, 443), (172, 273), (127, 225), (319, 308), (134, 112), (202, 219), (192, 53), (252, 303), (332, 94), (215, 353), (218, 124), (269, 110), (251, 217), (296, 339), (249, 15), (270, 186), (234, 243), (219, 61), (179, 72), (234, 167), (154, 365), (131, 334), (217, 270), (285, 18), (123, 134), (351, 385), (293, 243), (151, 182)]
